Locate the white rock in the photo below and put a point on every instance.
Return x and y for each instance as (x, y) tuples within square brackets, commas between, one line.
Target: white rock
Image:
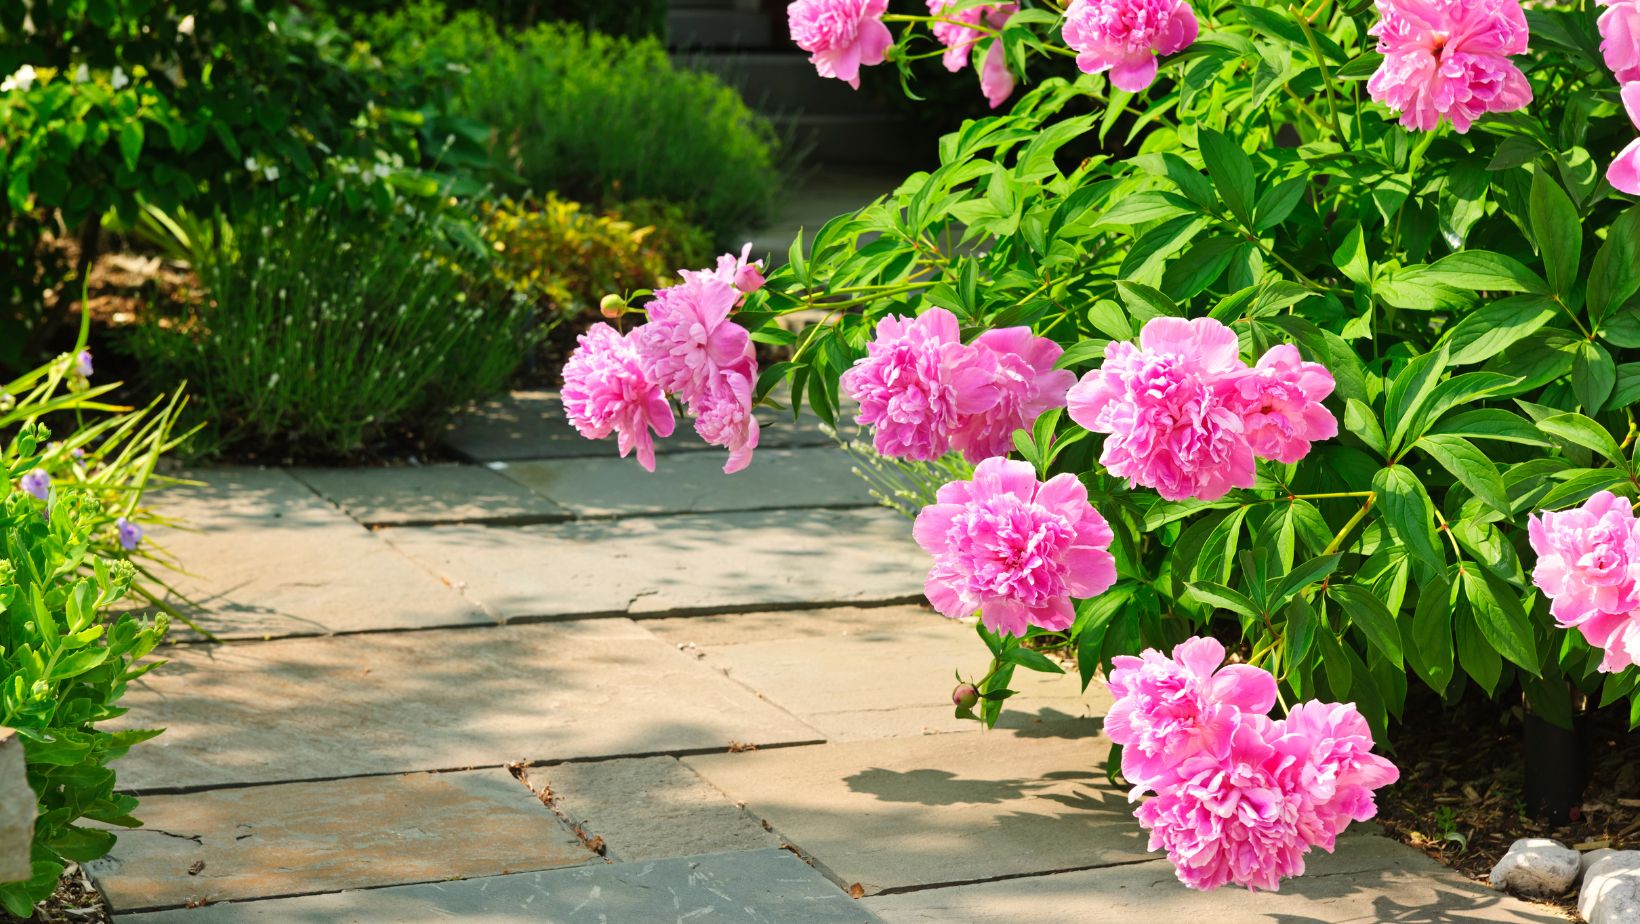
[(17, 803), (1536, 866), (1591, 858), (1611, 889)]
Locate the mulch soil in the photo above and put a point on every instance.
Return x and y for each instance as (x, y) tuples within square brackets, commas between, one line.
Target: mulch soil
[(76, 901), (1461, 799)]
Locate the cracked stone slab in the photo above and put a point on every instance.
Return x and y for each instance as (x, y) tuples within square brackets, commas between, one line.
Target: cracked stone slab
[(873, 673), (754, 887), (320, 708), (264, 556), (17, 807), (911, 812), (693, 482), (425, 494), (531, 425), (298, 838), (1369, 878), (650, 808), (680, 564)]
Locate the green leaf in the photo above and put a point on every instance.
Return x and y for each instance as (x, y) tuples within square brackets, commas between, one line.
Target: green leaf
[(1351, 257), (1278, 202), (130, 140), (1031, 660), (1558, 232), (1224, 598), (1232, 172), (1360, 420), (1501, 618), (1491, 424), (1431, 653), (1575, 428), (1593, 375), (1407, 394), (1409, 513), (1615, 275), (1303, 576), (1489, 330), (1372, 617), (1470, 466), (1483, 271)]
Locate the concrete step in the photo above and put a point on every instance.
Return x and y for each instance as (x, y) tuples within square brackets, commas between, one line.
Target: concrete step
[(702, 29), (780, 82)]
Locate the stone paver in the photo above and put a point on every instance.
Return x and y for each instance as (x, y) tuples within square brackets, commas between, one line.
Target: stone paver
[(531, 425), (17, 803), (332, 707), (264, 841), (424, 494), (693, 482), (878, 680), (759, 887), (264, 556), (666, 565), (650, 808), (940, 808), (1369, 879)]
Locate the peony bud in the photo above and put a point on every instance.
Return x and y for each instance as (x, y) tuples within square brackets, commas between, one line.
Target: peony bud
[(613, 306), (965, 696)]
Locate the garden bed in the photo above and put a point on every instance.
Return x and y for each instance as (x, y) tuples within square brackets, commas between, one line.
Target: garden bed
[(1460, 797)]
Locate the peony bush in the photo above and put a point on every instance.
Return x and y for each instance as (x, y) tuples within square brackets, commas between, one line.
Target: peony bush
[(1346, 295)]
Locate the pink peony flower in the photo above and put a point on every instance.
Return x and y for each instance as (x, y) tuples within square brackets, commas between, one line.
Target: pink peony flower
[(840, 35), (742, 272), (995, 80), (1624, 173), (1449, 58), (1125, 36), (1620, 38), (1026, 384), (1170, 708), (1331, 766), (918, 382), (608, 389), (1015, 549), (689, 338), (1168, 425), (1229, 818), (1279, 402), (723, 415), (1588, 564)]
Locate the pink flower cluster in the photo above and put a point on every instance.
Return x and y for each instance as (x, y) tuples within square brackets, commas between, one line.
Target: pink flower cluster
[(995, 80), (1185, 416), (1238, 797), (841, 36), (689, 349), (1449, 58), (1589, 565), (1125, 36), (1015, 549), (926, 393), (1620, 44)]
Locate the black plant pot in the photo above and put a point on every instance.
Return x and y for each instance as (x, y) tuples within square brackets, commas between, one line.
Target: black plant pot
[(1557, 766)]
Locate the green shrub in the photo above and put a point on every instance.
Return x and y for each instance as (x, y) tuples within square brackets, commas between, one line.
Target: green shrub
[(565, 258), (64, 662), (326, 328), (594, 118), (630, 18)]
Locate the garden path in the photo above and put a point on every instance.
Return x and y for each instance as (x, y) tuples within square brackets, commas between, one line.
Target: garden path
[(548, 687)]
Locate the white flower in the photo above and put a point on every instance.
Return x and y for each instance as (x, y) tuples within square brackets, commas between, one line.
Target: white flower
[(186, 27), (21, 80), (82, 74), (271, 172), (250, 167), (118, 79)]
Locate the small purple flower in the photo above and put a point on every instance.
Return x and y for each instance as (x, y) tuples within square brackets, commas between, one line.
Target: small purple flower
[(37, 483), (82, 362), (130, 533)]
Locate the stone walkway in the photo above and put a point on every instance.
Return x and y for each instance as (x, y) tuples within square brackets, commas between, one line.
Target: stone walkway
[(549, 687)]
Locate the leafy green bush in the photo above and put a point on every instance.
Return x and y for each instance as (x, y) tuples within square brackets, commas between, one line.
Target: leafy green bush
[(630, 18), (65, 558), (594, 118), (1473, 295), (565, 258), (326, 328)]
